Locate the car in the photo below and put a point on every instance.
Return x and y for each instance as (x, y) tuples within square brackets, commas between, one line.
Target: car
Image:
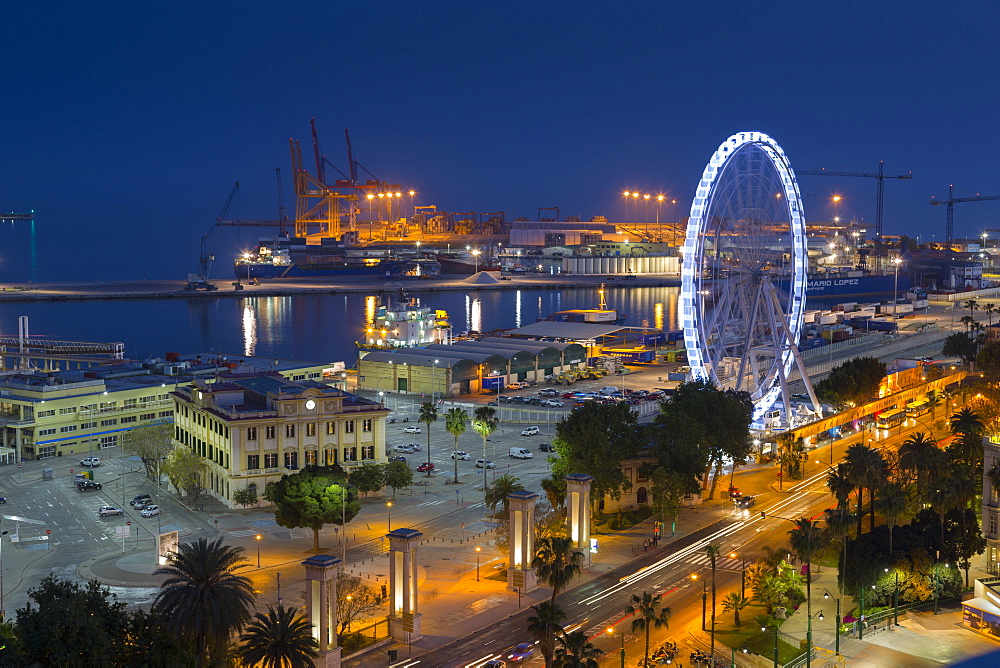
[(552, 403), (569, 395), (412, 429), (90, 461), (513, 386), (546, 447), (150, 511), (485, 464), (495, 663), (745, 502), (529, 431), (139, 499), (461, 454), (425, 467), (734, 492), (684, 369), (88, 485), (416, 447), (397, 459), (402, 448), (548, 392), (105, 511), (521, 652)]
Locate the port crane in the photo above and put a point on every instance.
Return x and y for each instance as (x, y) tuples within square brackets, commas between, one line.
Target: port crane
[(950, 203), (199, 281), (879, 177)]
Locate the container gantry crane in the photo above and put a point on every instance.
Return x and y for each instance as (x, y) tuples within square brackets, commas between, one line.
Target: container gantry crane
[(879, 177), (199, 281), (950, 203)]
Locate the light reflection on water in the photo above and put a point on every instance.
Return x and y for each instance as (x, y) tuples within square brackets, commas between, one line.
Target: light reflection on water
[(320, 328)]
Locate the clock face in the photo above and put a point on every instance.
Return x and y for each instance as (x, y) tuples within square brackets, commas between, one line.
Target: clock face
[(310, 404)]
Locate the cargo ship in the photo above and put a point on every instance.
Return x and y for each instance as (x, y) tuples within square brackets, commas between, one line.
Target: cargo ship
[(854, 284), (601, 315), (466, 263), (291, 257)]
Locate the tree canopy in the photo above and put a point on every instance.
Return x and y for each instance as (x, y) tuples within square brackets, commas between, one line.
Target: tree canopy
[(311, 498), (368, 477), (150, 442), (186, 471), (852, 382), (595, 440)]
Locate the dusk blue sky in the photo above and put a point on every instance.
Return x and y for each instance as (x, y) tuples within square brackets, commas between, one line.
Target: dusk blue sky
[(124, 124)]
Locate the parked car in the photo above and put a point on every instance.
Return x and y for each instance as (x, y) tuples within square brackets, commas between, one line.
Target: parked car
[(461, 454), (105, 511), (412, 429), (521, 652), (88, 485), (397, 459), (548, 392), (90, 461), (150, 511), (415, 447), (425, 467), (139, 499), (402, 448), (546, 447), (521, 453), (485, 464), (529, 431)]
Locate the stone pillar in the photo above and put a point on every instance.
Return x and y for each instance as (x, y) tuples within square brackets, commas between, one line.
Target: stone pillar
[(578, 505), (404, 618), (520, 576), (321, 607)]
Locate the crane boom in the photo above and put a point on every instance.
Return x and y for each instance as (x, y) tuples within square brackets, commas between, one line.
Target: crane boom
[(950, 203), (879, 177)]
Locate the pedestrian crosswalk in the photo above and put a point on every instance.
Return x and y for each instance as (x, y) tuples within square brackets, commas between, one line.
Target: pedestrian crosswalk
[(721, 563), (433, 503), (243, 533)]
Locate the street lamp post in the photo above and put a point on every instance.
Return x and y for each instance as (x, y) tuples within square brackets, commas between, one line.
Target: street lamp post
[(704, 600), (743, 575), (258, 537), (895, 597), (775, 627), (611, 632), (3, 611), (279, 588), (826, 594), (478, 551), (895, 289), (475, 254), (809, 636), (388, 510)]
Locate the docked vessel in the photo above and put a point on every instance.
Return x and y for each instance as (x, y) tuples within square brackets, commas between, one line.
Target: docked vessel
[(601, 315), (466, 263), (855, 284), (405, 324), (291, 257)]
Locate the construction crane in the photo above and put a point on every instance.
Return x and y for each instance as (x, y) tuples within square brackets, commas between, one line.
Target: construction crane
[(951, 202), (879, 177), (199, 281), (281, 222)]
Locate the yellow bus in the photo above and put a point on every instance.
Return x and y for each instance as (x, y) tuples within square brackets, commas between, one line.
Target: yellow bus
[(890, 419), (918, 407)]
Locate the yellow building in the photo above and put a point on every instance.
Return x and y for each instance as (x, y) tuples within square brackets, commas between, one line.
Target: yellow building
[(251, 430)]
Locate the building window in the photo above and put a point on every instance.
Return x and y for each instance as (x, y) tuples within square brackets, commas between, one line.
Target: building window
[(641, 497), (253, 461), (46, 451), (109, 441), (368, 452), (67, 411), (46, 432), (271, 460), (130, 403), (67, 428), (349, 427), (50, 413), (993, 524), (291, 460), (350, 454), (109, 423), (270, 431), (251, 433), (87, 425), (366, 425), (147, 416), (329, 457), (331, 427), (290, 431), (310, 458), (311, 429), (166, 414), (129, 418)]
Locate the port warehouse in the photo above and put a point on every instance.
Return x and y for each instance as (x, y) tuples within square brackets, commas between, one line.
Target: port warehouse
[(466, 367)]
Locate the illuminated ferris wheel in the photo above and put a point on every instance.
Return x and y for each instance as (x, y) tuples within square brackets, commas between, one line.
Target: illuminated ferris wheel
[(743, 278)]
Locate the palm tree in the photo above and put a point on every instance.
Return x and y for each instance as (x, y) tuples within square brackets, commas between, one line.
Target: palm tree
[(545, 625), (429, 415), (773, 557), (279, 639), (577, 651), (556, 562), (839, 523), (919, 454), (555, 491), (647, 614), (840, 485), (713, 554), (966, 422), (892, 502), (203, 599), (734, 603), (972, 305), (990, 308), (485, 423), (497, 494), (867, 469), (806, 540), (455, 421)]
